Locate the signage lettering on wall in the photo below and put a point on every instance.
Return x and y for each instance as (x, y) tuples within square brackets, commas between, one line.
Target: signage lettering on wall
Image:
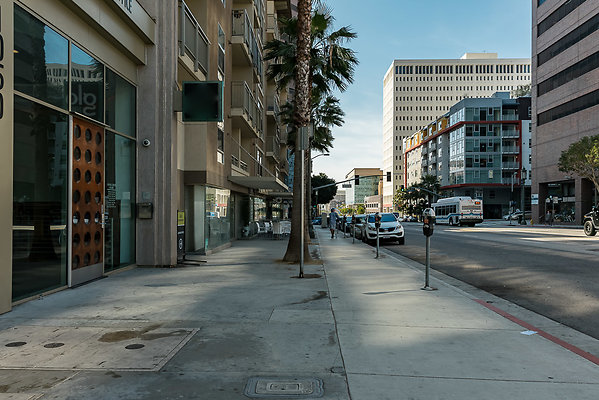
[(1, 67), (125, 5)]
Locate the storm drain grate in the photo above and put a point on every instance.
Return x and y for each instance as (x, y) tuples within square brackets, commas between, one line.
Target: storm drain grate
[(295, 388)]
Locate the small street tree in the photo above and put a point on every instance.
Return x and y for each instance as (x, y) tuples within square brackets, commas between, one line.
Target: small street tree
[(413, 200), (582, 158)]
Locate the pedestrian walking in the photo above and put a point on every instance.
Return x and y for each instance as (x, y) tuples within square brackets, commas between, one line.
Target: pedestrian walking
[(333, 221), (548, 218)]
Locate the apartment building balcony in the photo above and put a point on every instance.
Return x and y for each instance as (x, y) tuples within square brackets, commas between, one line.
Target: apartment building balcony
[(272, 107), (259, 12), (246, 112), (241, 161), (510, 133), (510, 165), (247, 47), (193, 42), (424, 162), (272, 26), (424, 150), (273, 148), (432, 159), (432, 146), (510, 149)]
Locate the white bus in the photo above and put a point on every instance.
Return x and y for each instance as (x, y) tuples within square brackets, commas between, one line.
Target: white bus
[(459, 211)]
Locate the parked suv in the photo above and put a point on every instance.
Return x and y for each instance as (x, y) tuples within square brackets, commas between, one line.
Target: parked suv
[(590, 222), (390, 229)]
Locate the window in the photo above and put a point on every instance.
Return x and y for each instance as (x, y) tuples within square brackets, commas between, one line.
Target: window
[(87, 94), (557, 15), (40, 199), (120, 104), (41, 60), (220, 146), (221, 49), (571, 107), (561, 78), (569, 40)]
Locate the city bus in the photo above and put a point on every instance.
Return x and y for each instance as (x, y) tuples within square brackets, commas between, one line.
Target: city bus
[(459, 211)]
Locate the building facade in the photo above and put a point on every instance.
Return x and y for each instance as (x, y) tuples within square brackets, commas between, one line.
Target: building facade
[(101, 165), (416, 92), (366, 185), (481, 149), (565, 97)]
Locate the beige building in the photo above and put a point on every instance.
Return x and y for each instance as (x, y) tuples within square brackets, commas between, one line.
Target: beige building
[(565, 101), (102, 169), (416, 92), (364, 183)]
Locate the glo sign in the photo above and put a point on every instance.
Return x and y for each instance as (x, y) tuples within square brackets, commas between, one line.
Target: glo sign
[(203, 101), (2, 62)]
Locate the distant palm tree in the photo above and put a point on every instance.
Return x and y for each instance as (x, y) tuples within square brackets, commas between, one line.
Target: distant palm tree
[(318, 69)]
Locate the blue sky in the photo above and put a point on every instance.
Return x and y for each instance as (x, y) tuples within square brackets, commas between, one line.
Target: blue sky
[(421, 29)]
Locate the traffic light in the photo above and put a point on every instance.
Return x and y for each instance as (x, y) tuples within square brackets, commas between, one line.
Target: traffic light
[(388, 176), (402, 188), (357, 180)]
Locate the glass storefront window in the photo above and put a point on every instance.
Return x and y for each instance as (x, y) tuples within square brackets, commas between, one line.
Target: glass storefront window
[(41, 59), (119, 202), (87, 84), (39, 199), (219, 217), (120, 104), (259, 209)]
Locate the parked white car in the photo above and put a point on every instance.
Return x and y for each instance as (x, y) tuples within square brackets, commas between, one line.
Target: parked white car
[(390, 229)]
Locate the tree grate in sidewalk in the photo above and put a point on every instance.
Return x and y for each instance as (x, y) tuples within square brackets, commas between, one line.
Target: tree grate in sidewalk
[(294, 388)]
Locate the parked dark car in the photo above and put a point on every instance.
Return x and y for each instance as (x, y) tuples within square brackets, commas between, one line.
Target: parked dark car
[(590, 222)]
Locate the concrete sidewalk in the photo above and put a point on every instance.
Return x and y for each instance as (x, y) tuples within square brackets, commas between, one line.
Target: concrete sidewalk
[(400, 342), (358, 328)]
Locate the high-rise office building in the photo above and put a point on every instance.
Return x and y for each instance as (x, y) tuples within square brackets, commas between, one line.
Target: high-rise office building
[(416, 92), (565, 98)]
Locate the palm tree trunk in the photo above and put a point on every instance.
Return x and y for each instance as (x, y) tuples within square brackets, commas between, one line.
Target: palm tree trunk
[(302, 118)]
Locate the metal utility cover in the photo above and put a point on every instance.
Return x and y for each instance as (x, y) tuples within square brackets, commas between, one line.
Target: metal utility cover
[(300, 388)]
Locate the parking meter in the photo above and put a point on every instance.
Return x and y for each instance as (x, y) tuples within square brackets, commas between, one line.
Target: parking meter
[(429, 222), (427, 228), (377, 220)]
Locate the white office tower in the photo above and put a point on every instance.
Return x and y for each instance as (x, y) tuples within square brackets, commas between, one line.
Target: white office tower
[(416, 92)]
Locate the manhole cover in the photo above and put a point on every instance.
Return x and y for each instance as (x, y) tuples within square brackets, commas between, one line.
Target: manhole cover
[(15, 344), (134, 346), (284, 388), (53, 345)]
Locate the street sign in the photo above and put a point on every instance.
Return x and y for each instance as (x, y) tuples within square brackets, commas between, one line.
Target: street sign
[(534, 198)]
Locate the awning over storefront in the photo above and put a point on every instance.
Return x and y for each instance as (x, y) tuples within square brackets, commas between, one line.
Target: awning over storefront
[(259, 182)]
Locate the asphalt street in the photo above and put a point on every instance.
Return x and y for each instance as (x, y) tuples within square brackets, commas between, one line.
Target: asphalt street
[(551, 271)]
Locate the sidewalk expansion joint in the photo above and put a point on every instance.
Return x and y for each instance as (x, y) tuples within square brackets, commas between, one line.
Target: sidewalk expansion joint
[(549, 380)]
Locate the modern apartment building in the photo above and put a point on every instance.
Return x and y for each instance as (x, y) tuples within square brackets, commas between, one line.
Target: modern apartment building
[(99, 165), (565, 98), (368, 178), (480, 148), (416, 92)]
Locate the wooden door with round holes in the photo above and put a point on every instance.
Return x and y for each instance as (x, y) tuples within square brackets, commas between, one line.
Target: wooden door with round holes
[(87, 258)]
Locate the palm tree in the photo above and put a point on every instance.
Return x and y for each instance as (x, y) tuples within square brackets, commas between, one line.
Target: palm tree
[(329, 66)]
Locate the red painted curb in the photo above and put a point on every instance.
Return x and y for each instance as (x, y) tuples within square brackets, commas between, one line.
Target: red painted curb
[(565, 345)]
